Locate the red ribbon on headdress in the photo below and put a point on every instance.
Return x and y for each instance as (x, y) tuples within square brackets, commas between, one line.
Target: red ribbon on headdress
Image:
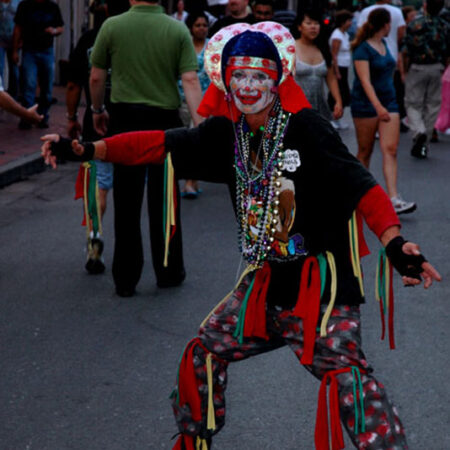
[(215, 103)]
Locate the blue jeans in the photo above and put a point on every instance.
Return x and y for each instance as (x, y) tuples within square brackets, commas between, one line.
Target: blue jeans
[(38, 65), (13, 71)]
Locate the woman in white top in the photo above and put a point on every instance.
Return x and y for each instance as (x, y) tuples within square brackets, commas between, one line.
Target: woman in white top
[(313, 70), (341, 60), (180, 14)]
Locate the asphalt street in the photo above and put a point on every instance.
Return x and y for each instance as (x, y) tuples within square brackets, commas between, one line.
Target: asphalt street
[(83, 369)]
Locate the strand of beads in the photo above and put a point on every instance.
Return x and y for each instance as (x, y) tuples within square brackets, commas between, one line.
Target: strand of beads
[(260, 191)]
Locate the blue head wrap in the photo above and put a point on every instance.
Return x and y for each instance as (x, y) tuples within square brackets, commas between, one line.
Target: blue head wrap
[(251, 43)]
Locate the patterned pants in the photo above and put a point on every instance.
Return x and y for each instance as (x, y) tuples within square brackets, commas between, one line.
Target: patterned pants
[(340, 349)]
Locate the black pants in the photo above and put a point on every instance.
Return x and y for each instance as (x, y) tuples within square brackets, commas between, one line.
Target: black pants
[(129, 184), (343, 89)]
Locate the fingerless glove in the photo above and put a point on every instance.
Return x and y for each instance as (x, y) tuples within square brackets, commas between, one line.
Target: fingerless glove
[(406, 265), (63, 150)]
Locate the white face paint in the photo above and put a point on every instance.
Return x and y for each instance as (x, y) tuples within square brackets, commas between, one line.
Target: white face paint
[(251, 90)]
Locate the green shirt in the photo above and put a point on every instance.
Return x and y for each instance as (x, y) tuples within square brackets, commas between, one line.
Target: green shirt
[(147, 52)]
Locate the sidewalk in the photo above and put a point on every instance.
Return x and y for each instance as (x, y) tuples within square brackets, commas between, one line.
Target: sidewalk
[(20, 149)]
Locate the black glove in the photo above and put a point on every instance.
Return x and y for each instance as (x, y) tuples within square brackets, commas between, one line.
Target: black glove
[(406, 265), (63, 150)]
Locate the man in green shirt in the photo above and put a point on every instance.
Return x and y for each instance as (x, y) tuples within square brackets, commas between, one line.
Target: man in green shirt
[(147, 51)]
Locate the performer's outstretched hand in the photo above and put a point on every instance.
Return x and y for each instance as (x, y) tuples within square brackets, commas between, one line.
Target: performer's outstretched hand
[(57, 147), (46, 152), (410, 263)]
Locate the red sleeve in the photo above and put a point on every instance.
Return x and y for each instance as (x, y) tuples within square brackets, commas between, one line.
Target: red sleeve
[(377, 210), (136, 147)]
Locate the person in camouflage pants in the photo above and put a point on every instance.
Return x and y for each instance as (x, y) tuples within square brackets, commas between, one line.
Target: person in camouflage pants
[(340, 349)]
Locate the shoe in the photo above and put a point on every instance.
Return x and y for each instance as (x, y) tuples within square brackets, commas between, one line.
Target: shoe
[(419, 148), (343, 125), (401, 206), (171, 282), (434, 136), (42, 124), (24, 125), (189, 193), (335, 124), (125, 292), (95, 264), (377, 135)]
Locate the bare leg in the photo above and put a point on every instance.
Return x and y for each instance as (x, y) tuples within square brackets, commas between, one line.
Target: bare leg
[(389, 138), (103, 195), (365, 134)]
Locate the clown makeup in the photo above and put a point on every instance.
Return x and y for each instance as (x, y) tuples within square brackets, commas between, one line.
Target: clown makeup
[(251, 90)]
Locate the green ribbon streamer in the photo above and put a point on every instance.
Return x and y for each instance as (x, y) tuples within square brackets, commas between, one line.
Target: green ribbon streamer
[(355, 404), (92, 198), (239, 332), (357, 385), (323, 271)]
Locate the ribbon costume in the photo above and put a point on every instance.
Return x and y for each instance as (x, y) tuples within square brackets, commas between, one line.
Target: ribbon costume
[(299, 197)]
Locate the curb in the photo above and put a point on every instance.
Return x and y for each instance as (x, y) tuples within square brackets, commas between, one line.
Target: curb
[(21, 169)]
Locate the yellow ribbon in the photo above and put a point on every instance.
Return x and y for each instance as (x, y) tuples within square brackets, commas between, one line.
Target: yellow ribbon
[(333, 289), (211, 421), (201, 444), (170, 207), (354, 243)]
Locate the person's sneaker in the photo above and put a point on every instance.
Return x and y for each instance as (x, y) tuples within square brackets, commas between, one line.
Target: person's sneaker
[(419, 148), (343, 125), (189, 193), (95, 264), (401, 206), (24, 125)]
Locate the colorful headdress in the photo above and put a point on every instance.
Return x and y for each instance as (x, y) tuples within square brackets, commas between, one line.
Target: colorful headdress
[(266, 46)]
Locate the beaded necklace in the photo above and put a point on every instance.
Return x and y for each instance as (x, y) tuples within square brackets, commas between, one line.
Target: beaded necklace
[(257, 190)]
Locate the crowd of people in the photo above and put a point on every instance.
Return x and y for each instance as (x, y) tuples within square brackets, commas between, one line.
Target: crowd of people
[(270, 82)]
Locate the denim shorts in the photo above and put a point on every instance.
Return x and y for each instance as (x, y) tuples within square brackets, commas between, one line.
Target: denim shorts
[(364, 109), (104, 175)]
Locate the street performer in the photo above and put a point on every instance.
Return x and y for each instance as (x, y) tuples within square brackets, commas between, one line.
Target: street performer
[(299, 197)]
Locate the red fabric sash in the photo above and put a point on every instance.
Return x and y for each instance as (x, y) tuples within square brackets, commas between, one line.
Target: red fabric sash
[(255, 315), (185, 439), (187, 382), (308, 306), (321, 435), (79, 188)]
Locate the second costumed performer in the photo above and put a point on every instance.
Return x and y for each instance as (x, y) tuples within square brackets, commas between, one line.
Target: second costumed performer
[(302, 286)]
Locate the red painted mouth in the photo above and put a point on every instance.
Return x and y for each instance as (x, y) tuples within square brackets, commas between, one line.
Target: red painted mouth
[(248, 99)]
